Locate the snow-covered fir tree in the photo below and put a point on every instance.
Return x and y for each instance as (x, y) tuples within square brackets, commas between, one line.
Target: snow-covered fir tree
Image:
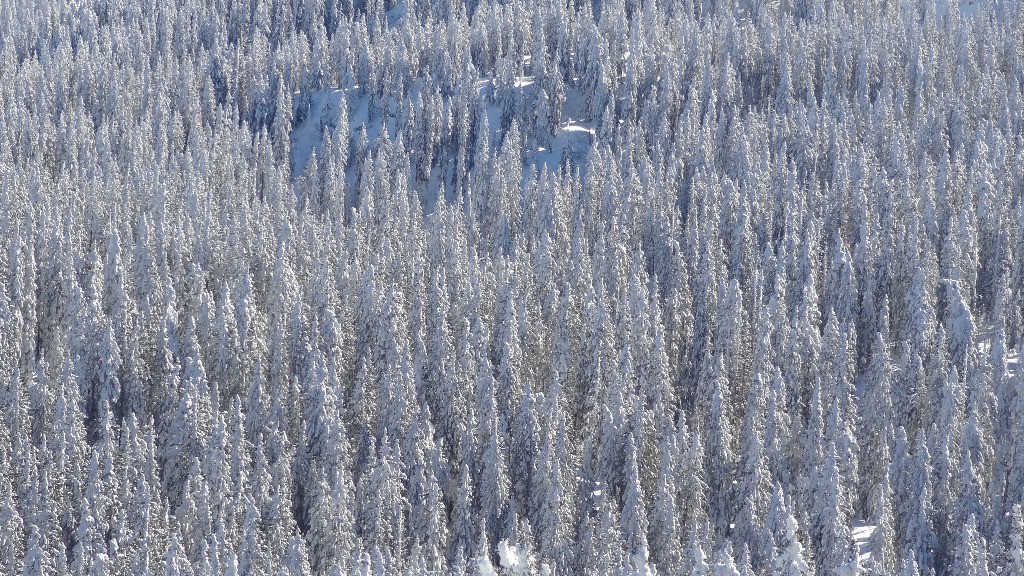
[(511, 287)]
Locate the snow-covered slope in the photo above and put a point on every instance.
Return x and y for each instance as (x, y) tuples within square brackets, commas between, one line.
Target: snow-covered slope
[(307, 136), (570, 144), (967, 7), (861, 537)]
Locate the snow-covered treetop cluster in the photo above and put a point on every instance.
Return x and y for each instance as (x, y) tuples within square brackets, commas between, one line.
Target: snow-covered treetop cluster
[(511, 287)]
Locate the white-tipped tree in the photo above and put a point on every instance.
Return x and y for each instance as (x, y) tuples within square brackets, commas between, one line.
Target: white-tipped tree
[(790, 559)]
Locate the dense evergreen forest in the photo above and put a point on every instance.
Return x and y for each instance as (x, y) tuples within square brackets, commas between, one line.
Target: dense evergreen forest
[(609, 287)]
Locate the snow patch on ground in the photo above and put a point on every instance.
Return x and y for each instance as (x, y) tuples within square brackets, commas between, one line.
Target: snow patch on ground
[(324, 114), (570, 144), (307, 137), (861, 535), (524, 81), (967, 7), (513, 559)]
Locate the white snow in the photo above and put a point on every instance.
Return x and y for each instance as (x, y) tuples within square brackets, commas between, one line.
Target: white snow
[(642, 565), (861, 534), (513, 559), (967, 7), (484, 567), (524, 81), (308, 136), (571, 143)]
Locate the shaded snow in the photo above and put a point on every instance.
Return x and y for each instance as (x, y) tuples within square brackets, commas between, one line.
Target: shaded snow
[(573, 141), (967, 7), (324, 110), (308, 136), (570, 144)]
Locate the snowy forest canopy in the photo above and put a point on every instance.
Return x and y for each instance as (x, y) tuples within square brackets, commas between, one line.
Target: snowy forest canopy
[(489, 287)]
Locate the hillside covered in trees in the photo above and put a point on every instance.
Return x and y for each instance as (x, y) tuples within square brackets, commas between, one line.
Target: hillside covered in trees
[(608, 287)]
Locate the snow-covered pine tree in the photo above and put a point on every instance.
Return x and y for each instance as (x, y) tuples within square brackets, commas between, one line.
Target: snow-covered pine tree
[(789, 559)]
